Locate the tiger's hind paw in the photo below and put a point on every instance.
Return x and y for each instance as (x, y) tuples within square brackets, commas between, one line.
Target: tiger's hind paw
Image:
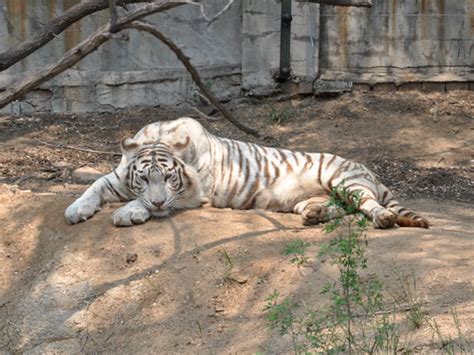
[(314, 214), (132, 213), (384, 219)]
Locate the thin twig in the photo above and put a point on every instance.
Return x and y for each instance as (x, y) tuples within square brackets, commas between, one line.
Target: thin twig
[(195, 109), (202, 114), (213, 18), (396, 310), (77, 148), (153, 30)]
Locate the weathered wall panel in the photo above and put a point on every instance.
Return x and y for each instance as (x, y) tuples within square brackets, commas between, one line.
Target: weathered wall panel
[(136, 71), (260, 45), (305, 41), (399, 41)]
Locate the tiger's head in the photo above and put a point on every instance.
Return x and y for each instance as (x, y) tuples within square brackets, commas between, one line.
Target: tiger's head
[(158, 179)]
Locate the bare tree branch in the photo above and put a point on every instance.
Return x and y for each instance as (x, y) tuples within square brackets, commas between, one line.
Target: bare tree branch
[(153, 30), (194, 108), (200, 113), (81, 50), (55, 27), (213, 18), (355, 3), (77, 148)]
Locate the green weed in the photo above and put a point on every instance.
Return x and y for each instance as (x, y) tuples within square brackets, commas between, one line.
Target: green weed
[(298, 249), (278, 117)]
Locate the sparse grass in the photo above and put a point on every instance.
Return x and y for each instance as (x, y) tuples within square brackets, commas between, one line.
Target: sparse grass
[(196, 250), (278, 116), (297, 248), (448, 344), (199, 331), (348, 322), (282, 317), (408, 297), (228, 264)]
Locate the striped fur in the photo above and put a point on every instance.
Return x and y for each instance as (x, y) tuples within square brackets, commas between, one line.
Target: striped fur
[(244, 175)]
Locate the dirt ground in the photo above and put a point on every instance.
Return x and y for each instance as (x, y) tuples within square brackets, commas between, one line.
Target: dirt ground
[(166, 287)]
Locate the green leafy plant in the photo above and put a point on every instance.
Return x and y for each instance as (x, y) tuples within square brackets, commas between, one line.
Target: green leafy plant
[(278, 117), (356, 318), (297, 248), (353, 301), (281, 317)]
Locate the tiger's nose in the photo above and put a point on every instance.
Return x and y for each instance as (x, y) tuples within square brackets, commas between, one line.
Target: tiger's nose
[(158, 203)]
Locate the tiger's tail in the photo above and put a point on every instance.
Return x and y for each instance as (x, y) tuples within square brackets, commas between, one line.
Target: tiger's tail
[(405, 217)]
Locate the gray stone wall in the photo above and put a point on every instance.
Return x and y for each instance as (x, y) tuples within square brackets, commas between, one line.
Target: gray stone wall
[(394, 42), (138, 70), (261, 44), (399, 41)]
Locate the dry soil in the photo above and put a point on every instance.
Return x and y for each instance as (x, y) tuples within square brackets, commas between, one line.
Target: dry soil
[(167, 287)]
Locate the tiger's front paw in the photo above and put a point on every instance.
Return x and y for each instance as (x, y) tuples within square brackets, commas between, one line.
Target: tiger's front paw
[(132, 213), (314, 214), (80, 210)]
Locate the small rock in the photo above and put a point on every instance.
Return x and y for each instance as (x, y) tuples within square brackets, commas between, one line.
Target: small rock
[(86, 175), (239, 277), (131, 258), (62, 165)]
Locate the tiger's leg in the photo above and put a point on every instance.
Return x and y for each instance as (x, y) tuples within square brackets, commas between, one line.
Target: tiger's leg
[(108, 188), (381, 217), (315, 210), (132, 213)]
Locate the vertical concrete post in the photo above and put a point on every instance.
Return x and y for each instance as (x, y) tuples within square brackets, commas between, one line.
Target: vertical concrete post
[(285, 41)]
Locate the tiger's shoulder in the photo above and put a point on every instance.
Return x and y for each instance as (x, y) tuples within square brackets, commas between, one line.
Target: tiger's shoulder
[(185, 137)]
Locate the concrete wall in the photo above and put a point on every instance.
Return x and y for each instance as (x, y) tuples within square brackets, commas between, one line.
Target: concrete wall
[(397, 41), (136, 71), (261, 43)]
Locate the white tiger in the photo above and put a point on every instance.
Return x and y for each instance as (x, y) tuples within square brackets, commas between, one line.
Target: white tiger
[(230, 173)]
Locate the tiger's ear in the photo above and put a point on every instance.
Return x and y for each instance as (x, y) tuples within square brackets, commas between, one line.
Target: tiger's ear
[(181, 143), (128, 146)]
